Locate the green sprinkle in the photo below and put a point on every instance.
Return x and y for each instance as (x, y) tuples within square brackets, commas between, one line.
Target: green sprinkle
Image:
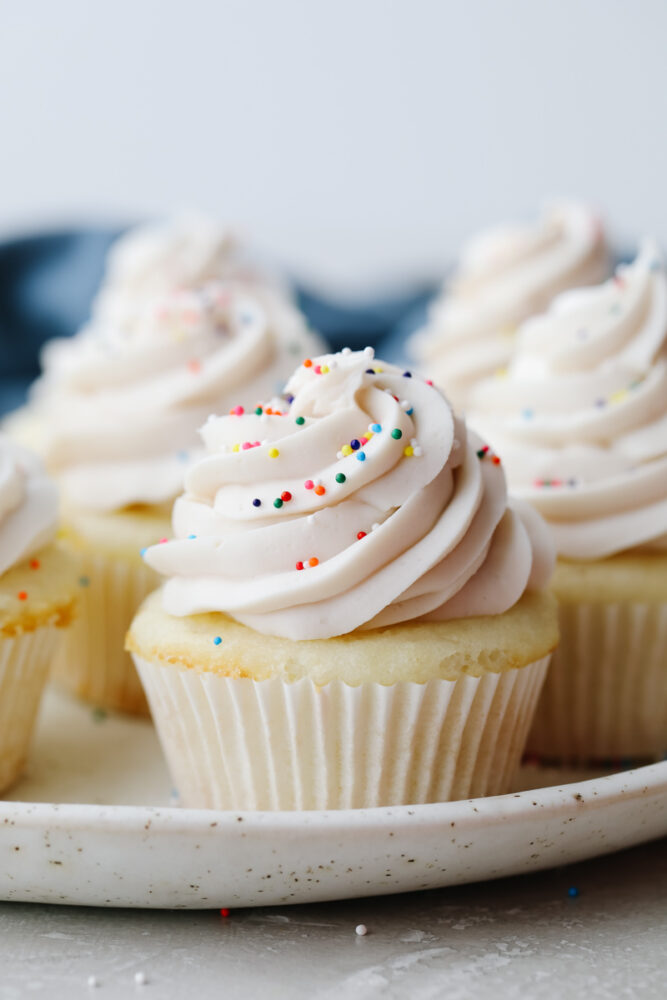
[(340, 477), (84, 581), (258, 411), (396, 433), (99, 715), (300, 420), (277, 502)]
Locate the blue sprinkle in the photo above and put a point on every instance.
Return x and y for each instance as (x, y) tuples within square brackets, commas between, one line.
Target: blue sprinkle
[(407, 374), (573, 892), (355, 445), (289, 398), (410, 411), (370, 371), (599, 402), (143, 552), (217, 640), (361, 456), (527, 414), (376, 428), (182, 456), (257, 502), (192, 536)]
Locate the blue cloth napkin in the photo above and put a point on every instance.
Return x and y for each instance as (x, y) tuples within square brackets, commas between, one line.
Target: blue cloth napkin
[(48, 281)]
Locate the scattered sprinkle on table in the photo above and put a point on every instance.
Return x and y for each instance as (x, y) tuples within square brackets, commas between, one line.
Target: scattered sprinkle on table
[(361, 930)]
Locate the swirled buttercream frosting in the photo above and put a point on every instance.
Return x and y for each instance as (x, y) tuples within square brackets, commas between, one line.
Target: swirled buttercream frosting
[(580, 419), (157, 259), (120, 404), (505, 276), (28, 505), (363, 503)]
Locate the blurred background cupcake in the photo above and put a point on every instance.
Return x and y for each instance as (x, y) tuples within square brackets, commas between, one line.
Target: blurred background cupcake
[(180, 330), (504, 276), (581, 422), (38, 584), (353, 614)]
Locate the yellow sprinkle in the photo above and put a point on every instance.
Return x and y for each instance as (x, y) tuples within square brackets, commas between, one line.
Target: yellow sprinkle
[(501, 373), (378, 371), (273, 453), (325, 369), (617, 397), (508, 331), (408, 450), (368, 435), (346, 450), (236, 447)]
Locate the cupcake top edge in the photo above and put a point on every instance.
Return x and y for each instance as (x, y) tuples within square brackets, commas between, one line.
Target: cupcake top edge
[(580, 415), (358, 501), (28, 505)]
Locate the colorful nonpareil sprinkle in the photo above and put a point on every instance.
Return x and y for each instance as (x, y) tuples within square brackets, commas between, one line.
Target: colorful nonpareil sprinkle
[(397, 433), (300, 421), (257, 502), (340, 477), (360, 456), (217, 640), (273, 453), (34, 564), (361, 534), (22, 595)]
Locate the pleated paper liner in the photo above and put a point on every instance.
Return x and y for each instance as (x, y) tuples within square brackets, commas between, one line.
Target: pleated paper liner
[(605, 696), (243, 744), (91, 662), (24, 665)]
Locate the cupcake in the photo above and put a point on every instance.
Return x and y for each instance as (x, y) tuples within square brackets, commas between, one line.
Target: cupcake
[(353, 615), (505, 276), (581, 423), (38, 583), (115, 415)]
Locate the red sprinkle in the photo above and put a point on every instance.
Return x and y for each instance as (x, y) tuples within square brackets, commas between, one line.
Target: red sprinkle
[(162, 541), (22, 595), (495, 460), (429, 381), (237, 411), (224, 912), (34, 564), (361, 534), (286, 496), (299, 565)]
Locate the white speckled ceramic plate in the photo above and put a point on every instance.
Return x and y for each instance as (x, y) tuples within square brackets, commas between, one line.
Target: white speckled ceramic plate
[(145, 853)]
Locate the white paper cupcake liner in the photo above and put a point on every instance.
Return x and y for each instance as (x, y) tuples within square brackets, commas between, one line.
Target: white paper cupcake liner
[(245, 744), (605, 696), (92, 662), (24, 666)]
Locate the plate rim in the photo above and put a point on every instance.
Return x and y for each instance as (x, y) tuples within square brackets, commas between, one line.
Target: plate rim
[(634, 783)]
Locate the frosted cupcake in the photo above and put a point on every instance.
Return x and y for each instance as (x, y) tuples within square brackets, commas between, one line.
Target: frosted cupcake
[(353, 616), (117, 411), (38, 583), (581, 424), (505, 276)]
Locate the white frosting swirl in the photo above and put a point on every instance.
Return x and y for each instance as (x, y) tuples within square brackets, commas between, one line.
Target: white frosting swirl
[(153, 261), (365, 504), (581, 417), (505, 276), (120, 405), (28, 505)]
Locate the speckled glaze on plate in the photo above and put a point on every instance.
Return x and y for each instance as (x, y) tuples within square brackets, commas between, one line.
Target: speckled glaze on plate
[(106, 854)]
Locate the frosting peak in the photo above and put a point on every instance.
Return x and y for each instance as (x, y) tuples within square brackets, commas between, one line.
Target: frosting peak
[(360, 503), (28, 505), (505, 276), (581, 416)]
